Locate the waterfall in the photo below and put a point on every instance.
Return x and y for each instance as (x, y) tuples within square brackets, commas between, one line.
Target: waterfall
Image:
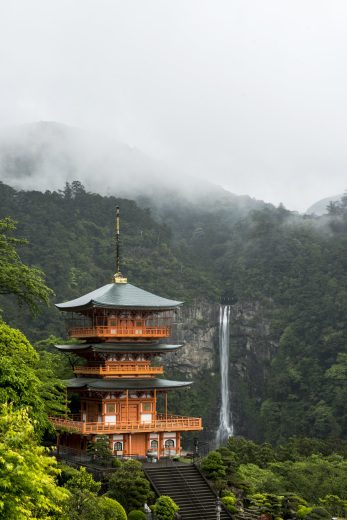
[(225, 419)]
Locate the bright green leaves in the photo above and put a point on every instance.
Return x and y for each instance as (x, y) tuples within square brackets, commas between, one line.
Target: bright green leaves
[(165, 508), (27, 475), (24, 382), (24, 282)]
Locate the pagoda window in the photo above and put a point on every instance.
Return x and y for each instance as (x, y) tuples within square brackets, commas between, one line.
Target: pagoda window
[(169, 443), (118, 446), (154, 444), (146, 407), (110, 408)]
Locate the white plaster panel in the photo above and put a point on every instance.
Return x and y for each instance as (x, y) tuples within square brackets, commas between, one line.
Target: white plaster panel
[(154, 436), (170, 435), (110, 418), (146, 417), (118, 437)]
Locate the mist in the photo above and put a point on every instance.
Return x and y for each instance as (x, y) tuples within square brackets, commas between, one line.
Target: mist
[(247, 95)]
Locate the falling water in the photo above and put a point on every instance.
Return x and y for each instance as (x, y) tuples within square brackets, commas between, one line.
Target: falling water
[(225, 419)]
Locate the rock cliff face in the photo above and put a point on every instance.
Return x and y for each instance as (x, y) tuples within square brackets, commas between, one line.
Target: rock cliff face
[(252, 347), (196, 326)]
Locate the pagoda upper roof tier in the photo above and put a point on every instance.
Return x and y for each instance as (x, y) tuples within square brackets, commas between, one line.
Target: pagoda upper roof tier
[(154, 347), (124, 384), (119, 296)]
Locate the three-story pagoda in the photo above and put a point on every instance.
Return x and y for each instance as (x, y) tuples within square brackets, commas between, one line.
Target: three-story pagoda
[(123, 328)]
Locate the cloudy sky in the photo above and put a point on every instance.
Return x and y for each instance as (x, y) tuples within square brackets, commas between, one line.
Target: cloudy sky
[(250, 94)]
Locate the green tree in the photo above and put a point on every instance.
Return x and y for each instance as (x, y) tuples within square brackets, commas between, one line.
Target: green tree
[(101, 450), (165, 508), (318, 513), (28, 487), (25, 384), (112, 510), (213, 466), (24, 282), (128, 485), (334, 505)]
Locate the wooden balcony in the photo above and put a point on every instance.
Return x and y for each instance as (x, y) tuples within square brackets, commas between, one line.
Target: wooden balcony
[(120, 332), (162, 423), (120, 370)]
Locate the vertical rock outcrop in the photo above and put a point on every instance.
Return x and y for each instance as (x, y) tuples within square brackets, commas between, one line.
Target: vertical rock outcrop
[(252, 347)]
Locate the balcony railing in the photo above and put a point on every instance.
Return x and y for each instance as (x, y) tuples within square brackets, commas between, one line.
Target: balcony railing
[(120, 370), (105, 332), (161, 423)]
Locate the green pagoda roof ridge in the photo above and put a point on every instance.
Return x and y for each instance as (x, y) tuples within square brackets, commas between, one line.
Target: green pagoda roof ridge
[(119, 347), (119, 296), (125, 384)]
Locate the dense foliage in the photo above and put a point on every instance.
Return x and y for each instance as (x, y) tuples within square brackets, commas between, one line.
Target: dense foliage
[(282, 480), (25, 283), (27, 476), (129, 486), (294, 266)]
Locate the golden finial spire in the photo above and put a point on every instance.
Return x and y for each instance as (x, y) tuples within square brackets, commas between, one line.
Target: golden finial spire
[(118, 278)]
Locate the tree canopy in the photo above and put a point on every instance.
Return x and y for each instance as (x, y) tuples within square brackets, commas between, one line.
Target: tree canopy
[(16, 278)]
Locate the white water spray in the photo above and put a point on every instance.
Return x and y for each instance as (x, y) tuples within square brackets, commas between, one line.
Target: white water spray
[(225, 420)]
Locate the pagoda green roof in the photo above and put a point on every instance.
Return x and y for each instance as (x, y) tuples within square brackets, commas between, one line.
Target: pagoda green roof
[(125, 384), (119, 296), (119, 347)]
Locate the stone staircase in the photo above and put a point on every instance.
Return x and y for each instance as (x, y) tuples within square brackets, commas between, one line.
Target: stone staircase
[(248, 514), (189, 489)]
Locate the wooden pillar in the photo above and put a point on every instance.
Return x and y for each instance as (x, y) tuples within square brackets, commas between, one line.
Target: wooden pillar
[(161, 443), (148, 441), (127, 406), (129, 444), (166, 408), (158, 441), (178, 443), (155, 405)]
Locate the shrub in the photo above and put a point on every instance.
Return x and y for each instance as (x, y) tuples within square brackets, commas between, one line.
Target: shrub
[(213, 466), (136, 515), (229, 504), (112, 510), (302, 511), (116, 463), (318, 513), (334, 505), (165, 508), (229, 494)]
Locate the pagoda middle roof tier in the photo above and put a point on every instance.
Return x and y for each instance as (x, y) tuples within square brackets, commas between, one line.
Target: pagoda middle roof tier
[(154, 347), (124, 384), (119, 296)]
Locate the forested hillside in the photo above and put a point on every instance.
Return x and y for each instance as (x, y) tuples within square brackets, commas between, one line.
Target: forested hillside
[(295, 266)]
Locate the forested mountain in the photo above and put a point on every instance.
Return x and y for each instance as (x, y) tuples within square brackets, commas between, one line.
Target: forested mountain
[(293, 267)]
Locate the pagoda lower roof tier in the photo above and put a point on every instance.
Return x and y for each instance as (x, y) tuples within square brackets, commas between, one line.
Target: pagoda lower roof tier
[(87, 383), (119, 296), (155, 348)]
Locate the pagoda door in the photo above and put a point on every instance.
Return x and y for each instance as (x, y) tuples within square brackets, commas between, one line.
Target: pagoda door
[(95, 412), (132, 413)]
